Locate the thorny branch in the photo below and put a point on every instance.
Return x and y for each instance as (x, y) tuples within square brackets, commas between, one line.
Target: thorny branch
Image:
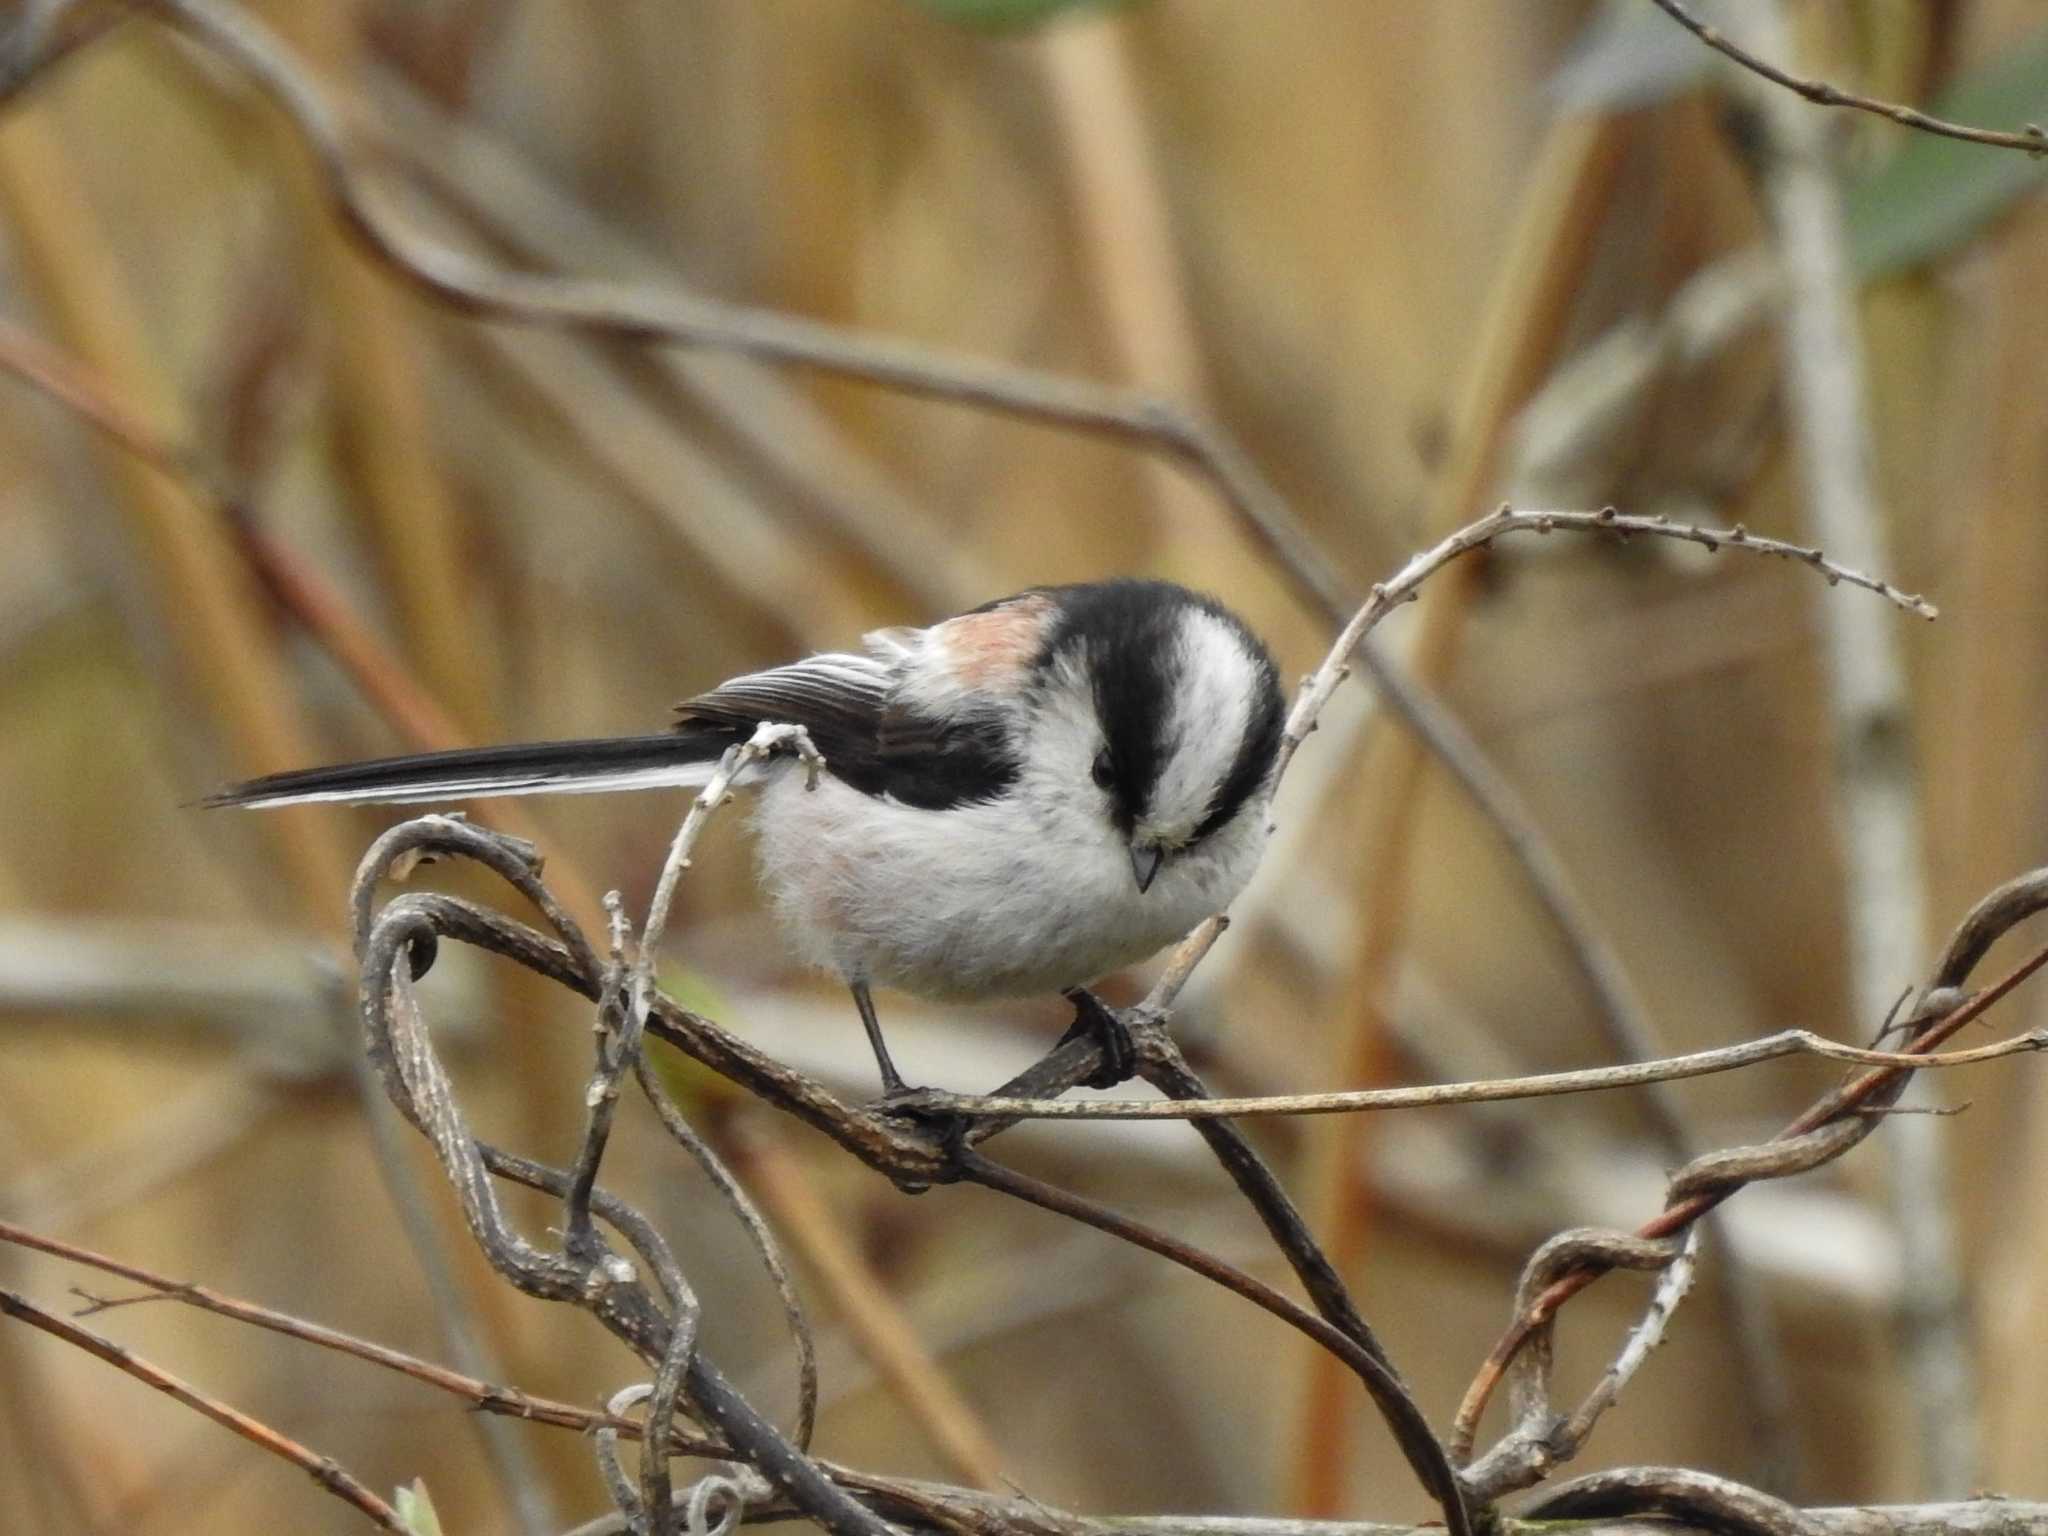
[(2031, 139)]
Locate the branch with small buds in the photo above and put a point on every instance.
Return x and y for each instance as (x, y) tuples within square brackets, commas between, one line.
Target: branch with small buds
[(1405, 585), (2031, 139)]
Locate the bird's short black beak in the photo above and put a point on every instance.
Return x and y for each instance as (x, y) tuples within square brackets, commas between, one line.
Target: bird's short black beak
[(1144, 865)]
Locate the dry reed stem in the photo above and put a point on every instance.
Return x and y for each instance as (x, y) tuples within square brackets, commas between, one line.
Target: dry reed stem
[(875, 1321), (1126, 234), (1870, 711), (1570, 184), (379, 388), (829, 480), (206, 599)]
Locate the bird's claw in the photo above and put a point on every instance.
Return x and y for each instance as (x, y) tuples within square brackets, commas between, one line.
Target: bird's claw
[(1096, 1020)]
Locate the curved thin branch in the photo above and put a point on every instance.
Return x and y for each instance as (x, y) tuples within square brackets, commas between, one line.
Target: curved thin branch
[(1404, 586), (1829, 1127), (1698, 1498), (2031, 139), (392, 945)]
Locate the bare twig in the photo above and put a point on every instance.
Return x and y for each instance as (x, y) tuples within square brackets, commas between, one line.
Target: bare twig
[(768, 738), (1826, 1130), (971, 1514), (1869, 703), (1540, 1438), (2031, 139), (1404, 585), (324, 1470), (413, 924), (758, 1231), (601, 1281), (482, 1395), (1495, 1090)]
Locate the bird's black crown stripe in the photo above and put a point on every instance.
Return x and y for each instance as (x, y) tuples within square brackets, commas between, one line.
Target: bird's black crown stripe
[(1127, 629), (1130, 628)]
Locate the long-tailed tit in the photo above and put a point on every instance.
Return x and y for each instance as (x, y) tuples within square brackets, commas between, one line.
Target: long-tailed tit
[(1019, 799)]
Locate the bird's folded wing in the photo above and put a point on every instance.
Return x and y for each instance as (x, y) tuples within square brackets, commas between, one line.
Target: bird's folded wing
[(871, 722), (838, 698)]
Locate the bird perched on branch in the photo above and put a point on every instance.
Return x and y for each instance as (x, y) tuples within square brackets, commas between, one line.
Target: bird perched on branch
[(1018, 799)]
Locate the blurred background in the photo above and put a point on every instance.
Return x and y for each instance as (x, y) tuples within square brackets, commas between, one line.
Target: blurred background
[(1414, 259)]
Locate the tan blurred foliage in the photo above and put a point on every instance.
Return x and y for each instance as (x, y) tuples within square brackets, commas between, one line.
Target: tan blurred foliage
[(561, 537)]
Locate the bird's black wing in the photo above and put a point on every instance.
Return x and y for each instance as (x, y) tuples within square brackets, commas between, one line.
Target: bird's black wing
[(873, 729), (837, 698)]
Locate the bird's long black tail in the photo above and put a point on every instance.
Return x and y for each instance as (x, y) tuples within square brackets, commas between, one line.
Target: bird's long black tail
[(681, 757)]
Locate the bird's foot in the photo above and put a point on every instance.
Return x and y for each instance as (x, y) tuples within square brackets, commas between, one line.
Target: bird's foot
[(1096, 1020), (932, 1111)]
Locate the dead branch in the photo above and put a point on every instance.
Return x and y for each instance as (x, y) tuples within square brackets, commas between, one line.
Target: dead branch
[(1827, 1129), (324, 1470), (399, 939), (2031, 139)]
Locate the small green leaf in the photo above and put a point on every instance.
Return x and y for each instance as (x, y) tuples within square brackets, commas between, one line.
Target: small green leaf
[(416, 1510), (1936, 194), (1007, 15), (690, 1083)]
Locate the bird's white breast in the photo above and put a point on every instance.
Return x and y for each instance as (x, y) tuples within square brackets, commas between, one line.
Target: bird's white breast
[(980, 900)]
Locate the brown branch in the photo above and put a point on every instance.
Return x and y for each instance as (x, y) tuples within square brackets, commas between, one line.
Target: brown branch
[(951, 1426), (324, 1470), (601, 1282), (1404, 586), (1826, 1130), (480, 1394), (2031, 139), (1492, 1090), (911, 1154), (1412, 1432), (1677, 1493), (968, 1513)]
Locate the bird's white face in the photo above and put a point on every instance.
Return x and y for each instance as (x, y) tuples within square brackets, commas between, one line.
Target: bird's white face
[(1151, 738)]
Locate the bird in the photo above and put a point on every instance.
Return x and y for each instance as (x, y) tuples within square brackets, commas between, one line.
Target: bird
[(1019, 799)]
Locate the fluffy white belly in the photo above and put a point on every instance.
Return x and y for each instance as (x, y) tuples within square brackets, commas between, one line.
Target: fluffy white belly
[(982, 900)]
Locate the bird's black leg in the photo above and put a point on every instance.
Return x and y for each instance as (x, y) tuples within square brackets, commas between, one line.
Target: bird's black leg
[(1096, 1020), (893, 1086), (899, 1098)]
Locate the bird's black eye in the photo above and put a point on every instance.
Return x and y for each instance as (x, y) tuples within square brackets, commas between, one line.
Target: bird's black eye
[(1104, 771)]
